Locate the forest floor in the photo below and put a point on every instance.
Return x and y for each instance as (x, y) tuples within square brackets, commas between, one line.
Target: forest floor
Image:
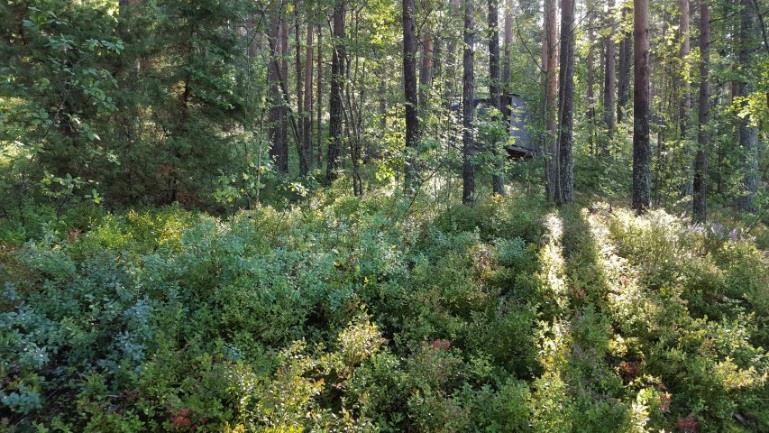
[(381, 314)]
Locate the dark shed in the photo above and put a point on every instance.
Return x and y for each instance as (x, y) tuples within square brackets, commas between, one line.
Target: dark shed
[(522, 146)]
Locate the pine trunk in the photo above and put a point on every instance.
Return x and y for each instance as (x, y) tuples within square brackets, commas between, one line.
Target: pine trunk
[(641, 149), (507, 72), (590, 80), (426, 69), (307, 159), (686, 99), (748, 132), (410, 91), (495, 93), (609, 74), (550, 67), (468, 107), (700, 185), (625, 59), (335, 98), (319, 102), (565, 193), (278, 110)]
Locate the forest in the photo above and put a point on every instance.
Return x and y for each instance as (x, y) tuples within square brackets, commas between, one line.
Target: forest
[(421, 216)]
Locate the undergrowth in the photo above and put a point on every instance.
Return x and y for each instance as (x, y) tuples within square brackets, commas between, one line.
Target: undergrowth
[(379, 314)]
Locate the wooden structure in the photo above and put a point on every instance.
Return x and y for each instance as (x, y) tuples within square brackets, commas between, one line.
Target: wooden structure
[(522, 145)]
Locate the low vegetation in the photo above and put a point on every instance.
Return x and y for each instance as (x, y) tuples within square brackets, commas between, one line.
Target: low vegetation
[(380, 314)]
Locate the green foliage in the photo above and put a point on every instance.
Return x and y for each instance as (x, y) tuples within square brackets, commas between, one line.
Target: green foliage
[(353, 315), (84, 123)]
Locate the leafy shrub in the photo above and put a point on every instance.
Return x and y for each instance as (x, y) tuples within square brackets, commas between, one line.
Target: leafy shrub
[(378, 315)]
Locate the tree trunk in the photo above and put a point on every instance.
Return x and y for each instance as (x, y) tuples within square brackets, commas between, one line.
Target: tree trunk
[(276, 75), (641, 149), (507, 72), (748, 132), (451, 54), (306, 162), (426, 69), (282, 160), (373, 149), (609, 75), (495, 93), (335, 98), (700, 185), (468, 107), (319, 102), (686, 100), (590, 80), (625, 56), (304, 157), (550, 67), (566, 103), (410, 91)]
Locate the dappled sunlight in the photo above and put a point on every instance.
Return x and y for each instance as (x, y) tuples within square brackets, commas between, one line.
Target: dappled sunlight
[(551, 393), (553, 274), (624, 295)]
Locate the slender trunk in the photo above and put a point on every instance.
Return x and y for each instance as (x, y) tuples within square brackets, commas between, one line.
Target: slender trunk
[(641, 149), (282, 160), (426, 69), (700, 185), (335, 99), (278, 110), (550, 67), (373, 150), (566, 103), (468, 107), (319, 102), (748, 133), (609, 74), (625, 59), (306, 162), (686, 99), (352, 107), (590, 79), (410, 91), (304, 166), (451, 54), (254, 38), (495, 93), (507, 72)]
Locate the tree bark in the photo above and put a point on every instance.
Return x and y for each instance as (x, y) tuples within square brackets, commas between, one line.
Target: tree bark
[(335, 98), (282, 157), (566, 103), (319, 102), (302, 153), (307, 159), (507, 72), (426, 69), (451, 53), (590, 80), (609, 75), (278, 112), (686, 100), (748, 133), (410, 91), (550, 67), (625, 59), (495, 93), (700, 185), (641, 149), (468, 107)]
